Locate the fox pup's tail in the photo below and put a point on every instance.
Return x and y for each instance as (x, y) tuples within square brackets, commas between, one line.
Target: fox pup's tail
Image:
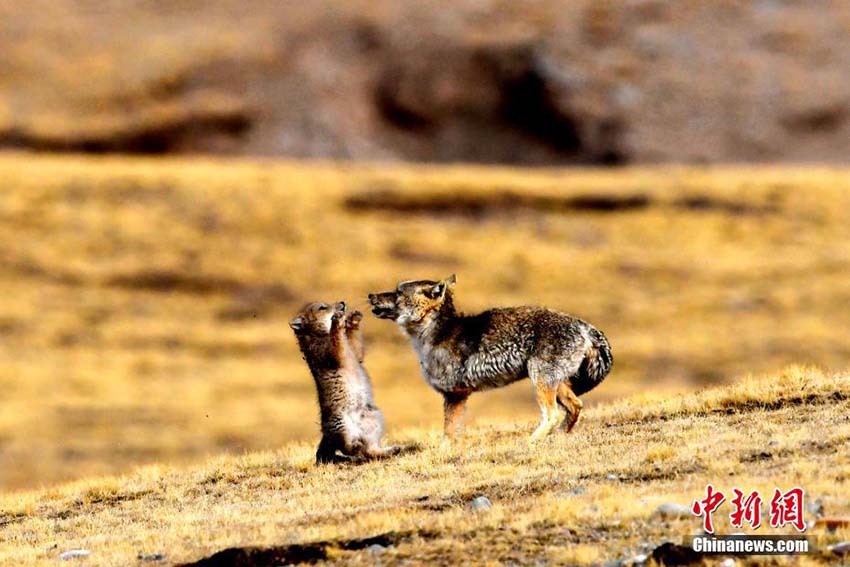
[(595, 366)]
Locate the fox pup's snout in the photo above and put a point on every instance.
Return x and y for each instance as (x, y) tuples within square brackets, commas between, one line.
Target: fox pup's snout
[(384, 304)]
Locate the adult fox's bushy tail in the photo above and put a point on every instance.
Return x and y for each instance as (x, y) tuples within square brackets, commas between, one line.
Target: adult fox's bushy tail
[(595, 366)]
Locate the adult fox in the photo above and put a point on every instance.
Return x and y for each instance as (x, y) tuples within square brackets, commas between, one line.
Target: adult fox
[(460, 354)]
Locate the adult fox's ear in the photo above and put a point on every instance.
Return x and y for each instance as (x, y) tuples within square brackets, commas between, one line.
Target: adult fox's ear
[(436, 291), (297, 324), (439, 289)]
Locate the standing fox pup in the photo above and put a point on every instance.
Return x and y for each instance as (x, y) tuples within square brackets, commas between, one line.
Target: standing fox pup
[(333, 348), (459, 354)]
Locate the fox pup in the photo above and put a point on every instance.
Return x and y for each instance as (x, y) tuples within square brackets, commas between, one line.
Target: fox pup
[(331, 344), (460, 354)]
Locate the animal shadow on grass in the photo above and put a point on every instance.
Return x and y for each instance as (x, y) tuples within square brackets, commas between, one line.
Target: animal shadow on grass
[(300, 554)]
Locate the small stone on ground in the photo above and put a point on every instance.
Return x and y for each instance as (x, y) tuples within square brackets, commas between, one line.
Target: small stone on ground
[(74, 554), (481, 503)]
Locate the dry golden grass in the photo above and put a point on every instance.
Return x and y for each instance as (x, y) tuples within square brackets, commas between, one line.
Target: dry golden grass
[(143, 303), (777, 431)]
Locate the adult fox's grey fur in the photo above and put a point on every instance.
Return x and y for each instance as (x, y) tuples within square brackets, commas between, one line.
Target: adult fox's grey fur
[(331, 344), (460, 354)]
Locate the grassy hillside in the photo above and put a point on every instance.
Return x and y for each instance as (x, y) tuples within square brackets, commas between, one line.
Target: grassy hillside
[(144, 303), (579, 498)]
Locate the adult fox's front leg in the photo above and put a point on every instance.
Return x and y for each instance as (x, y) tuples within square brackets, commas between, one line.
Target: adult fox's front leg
[(453, 407)]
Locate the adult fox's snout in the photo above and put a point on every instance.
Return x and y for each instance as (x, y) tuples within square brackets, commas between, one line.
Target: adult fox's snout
[(384, 305)]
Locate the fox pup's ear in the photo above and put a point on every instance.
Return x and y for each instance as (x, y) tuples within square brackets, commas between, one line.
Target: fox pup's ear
[(451, 280), (297, 324)]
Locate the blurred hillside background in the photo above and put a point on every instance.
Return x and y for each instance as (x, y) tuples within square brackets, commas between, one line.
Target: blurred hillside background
[(542, 82), (144, 299)]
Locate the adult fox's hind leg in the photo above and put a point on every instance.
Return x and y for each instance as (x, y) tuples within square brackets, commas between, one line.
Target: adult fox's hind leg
[(570, 402), (551, 414)]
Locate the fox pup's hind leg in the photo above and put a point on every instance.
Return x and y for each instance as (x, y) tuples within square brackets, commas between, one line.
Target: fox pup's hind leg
[(378, 452), (453, 406), (326, 453), (571, 403)]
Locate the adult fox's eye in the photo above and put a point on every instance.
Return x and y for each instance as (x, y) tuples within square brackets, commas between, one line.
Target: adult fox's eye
[(323, 307)]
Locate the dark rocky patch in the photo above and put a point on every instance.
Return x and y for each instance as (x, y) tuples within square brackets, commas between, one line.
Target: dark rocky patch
[(528, 103), (823, 119), (168, 137), (163, 281), (497, 202), (395, 111), (246, 297), (506, 201), (503, 96)]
